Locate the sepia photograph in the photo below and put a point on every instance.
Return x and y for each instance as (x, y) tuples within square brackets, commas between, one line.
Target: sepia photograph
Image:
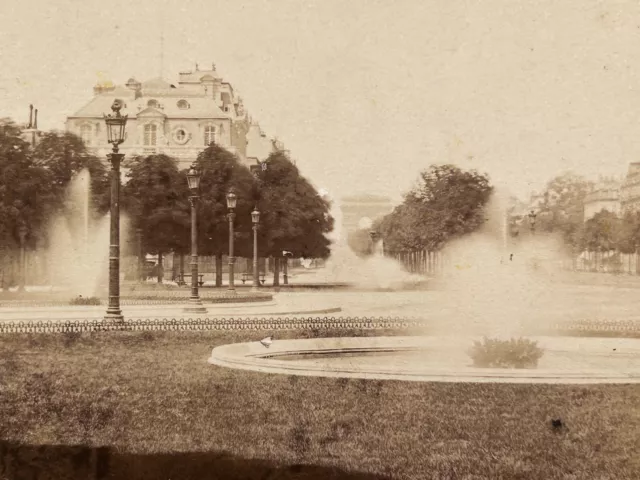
[(320, 240)]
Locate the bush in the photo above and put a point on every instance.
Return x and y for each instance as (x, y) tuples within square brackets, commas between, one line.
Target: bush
[(513, 353), (85, 301)]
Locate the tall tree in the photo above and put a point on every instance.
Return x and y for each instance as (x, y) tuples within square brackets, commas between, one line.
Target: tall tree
[(222, 171), (629, 233), (562, 209), (295, 218), (602, 232), (446, 203), (64, 155), (26, 192), (156, 198)]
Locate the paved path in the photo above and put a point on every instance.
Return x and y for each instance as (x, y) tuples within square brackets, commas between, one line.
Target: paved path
[(546, 303), (292, 306)]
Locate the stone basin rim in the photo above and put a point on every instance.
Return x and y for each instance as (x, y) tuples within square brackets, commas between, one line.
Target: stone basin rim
[(254, 356)]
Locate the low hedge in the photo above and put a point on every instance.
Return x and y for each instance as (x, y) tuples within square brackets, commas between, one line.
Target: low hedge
[(512, 353)]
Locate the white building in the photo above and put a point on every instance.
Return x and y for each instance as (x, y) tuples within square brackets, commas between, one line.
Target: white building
[(177, 120), (605, 195)]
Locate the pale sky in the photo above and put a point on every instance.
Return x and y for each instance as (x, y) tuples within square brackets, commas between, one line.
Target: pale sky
[(363, 93)]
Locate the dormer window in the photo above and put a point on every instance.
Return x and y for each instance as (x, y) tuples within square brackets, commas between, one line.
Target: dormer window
[(183, 104), (152, 104)]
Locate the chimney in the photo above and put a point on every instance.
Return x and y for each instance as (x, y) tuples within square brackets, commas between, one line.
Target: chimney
[(30, 116), (35, 121)]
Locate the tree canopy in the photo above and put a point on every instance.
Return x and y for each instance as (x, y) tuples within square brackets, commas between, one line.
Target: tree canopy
[(602, 232), (64, 155), (446, 203), (27, 193), (562, 208), (155, 196), (221, 172), (294, 217)]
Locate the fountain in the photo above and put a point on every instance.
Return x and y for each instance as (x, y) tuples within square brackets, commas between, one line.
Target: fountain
[(373, 273), (79, 248), (492, 289)]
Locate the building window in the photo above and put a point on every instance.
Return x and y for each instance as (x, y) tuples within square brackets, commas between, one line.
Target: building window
[(183, 104), (150, 134), (85, 134), (181, 135), (152, 103), (209, 135)]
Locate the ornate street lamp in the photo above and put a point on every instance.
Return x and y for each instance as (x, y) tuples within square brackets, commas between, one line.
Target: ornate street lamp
[(255, 218), (532, 221), (115, 136), (231, 204), (22, 233), (195, 304)]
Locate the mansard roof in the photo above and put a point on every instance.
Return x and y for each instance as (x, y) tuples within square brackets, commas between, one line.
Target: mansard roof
[(199, 106)]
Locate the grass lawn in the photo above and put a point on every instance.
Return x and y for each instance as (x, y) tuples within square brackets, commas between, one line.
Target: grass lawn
[(146, 393)]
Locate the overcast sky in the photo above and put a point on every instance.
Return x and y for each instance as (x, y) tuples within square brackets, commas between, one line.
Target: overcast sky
[(363, 93)]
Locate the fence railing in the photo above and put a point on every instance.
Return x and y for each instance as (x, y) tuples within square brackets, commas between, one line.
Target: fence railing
[(423, 262), (608, 262), (579, 328)]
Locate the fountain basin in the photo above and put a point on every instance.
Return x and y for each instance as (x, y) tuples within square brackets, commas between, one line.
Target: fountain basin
[(442, 359)]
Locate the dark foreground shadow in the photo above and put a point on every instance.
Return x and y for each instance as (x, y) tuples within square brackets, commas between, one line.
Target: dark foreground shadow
[(53, 462)]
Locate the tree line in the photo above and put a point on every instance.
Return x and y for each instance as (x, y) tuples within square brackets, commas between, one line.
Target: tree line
[(447, 202), (294, 217)]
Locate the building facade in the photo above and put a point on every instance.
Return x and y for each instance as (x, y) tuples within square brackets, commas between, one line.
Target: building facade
[(176, 120), (605, 195), (630, 189), (359, 210)]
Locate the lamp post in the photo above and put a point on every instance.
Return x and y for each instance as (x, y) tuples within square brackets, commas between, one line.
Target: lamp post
[(532, 222), (140, 255), (374, 237), (195, 304), (22, 233), (115, 136), (255, 218), (231, 204)]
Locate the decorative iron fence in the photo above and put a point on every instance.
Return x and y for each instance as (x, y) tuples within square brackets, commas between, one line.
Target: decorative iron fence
[(198, 324), (423, 262), (589, 327)]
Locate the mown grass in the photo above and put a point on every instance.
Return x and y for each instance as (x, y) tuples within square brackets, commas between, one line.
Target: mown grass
[(150, 392)]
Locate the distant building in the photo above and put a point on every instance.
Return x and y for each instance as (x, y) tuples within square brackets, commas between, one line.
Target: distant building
[(630, 189), (536, 201), (357, 209), (177, 120), (605, 195)]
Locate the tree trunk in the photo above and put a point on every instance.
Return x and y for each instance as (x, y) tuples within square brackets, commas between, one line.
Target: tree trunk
[(182, 269), (218, 269), (3, 268), (160, 268), (276, 272), (285, 270)]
